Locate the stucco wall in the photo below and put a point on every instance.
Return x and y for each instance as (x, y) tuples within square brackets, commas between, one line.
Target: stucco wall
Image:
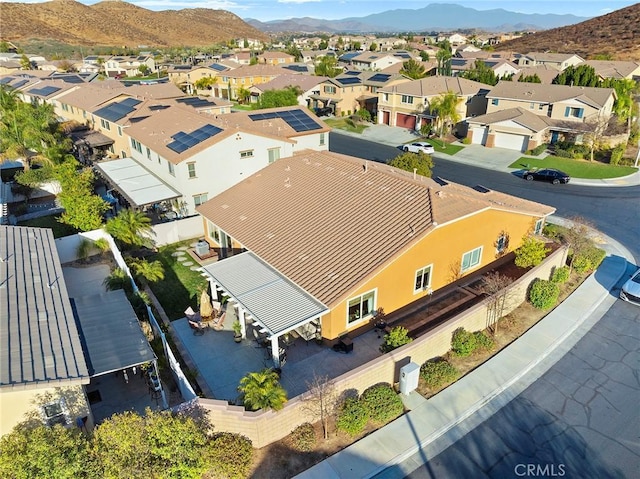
[(265, 427)]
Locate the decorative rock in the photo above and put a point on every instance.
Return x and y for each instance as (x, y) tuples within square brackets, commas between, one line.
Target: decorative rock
[(182, 248), (178, 253), (195, 268), (186, 263)]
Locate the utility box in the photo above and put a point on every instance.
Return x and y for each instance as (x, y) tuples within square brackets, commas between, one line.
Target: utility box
[(409, 376), (202, 248)]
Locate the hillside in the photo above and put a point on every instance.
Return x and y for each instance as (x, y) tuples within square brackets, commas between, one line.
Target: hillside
[(616, 34), (116, 23)]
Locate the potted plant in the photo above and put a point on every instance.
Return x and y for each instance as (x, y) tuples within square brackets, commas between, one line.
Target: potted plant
[(237, 331)]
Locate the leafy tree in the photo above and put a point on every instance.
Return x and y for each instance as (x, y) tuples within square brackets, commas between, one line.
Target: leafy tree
[(445, 108), (327, 67), (131, 228), (531, 253), (323, 45), (624, 106), (4, 47), (148, 270), (205, 83), (373, 47), (419, 162), (294, 51), (481, 73), (577, 238), (413, 69), (25, 63), (243, 94), (443, 57), (581, 75), (144, 70), (424, 56), (356, 46), (83, 209), (275, 98), (530, 78), (262, 390), (398, 336)]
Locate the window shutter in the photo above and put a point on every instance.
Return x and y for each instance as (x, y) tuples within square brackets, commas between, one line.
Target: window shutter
[(567, 110)]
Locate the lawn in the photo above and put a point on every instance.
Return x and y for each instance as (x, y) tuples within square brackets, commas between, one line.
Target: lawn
[(575, 168), (448, 148), (346, 124), (59, 229), (181, 286)]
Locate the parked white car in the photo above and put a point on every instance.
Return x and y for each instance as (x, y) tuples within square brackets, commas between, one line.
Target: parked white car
[(419, 146), (631, 289)]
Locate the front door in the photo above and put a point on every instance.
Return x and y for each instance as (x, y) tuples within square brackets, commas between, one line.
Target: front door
[(554, 137)]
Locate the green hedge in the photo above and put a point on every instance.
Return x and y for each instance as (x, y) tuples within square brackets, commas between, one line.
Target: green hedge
[(303, 438), (484, 342), (463, 343), (438, 371), (616, 154), (543, 294), (589, 259), (382, 403), (353, 416), (560, 275), (231, 455)]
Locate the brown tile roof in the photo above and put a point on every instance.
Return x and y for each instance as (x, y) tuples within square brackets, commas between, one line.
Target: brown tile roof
[(305, 82), (519, 115), (538, 92), (613, 69), (433, 86), (328, 221), (89, 97), (245, 71), (546, 73)]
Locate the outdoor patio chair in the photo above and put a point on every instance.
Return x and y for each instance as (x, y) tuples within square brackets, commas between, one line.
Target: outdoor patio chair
[(191, 315), (198, 330), (261, 340)]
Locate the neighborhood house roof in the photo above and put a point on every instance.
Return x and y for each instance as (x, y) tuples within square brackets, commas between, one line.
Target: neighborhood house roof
[(39, 339), (325, 221), (518, 115), (596, 97), (433, 86)]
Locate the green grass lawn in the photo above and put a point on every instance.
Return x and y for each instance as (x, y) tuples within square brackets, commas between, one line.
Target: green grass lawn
[(346, 124), (575, 168), (181, 287), (448, 148), (59, 229)]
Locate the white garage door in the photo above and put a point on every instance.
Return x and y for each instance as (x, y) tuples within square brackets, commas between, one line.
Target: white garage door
[(479, 135), (511, 141)]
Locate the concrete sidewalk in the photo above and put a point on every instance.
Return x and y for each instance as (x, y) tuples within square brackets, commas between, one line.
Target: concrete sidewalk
[(484, 390)]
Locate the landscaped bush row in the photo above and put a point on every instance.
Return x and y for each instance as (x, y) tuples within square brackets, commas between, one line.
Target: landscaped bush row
[(544, 294), (464, 343), (437, 372), (537, 150), (589, 259), (379, 403), (616, 154), (303, 438)]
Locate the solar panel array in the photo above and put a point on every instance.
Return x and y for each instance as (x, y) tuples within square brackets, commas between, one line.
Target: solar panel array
[(68, 78), (117, 110), (20, 83), (402, 55), (44, 91), (381, 77), (195, 102), (217, 67), (183, 141), (297, 68), (182, 67), (349, 80), (6, 80), (296, 119), (352, 72)]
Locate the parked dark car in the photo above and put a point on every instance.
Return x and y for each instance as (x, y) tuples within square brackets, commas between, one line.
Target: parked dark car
[(325, 111), (547, 174)]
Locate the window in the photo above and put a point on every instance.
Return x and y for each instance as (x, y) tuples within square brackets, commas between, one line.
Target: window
[(541, 106), (172, 170), (502, 243), (573, 112), (385, 97), (361, 307), (148, 153), (274, 154), (159, 159), (214, 232), (55, 413), (471, 259), (192, 170), (407, 99), (322, 139), (105, 124), (199, 199), (246, 154), (123, 154), (136, 145), (532, 105), (537, 229), (119, 130), (65, 107), (423, 279), (329, 89), (495, 101)]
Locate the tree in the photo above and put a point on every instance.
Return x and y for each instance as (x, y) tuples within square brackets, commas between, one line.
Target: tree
[(321, 400), (496, 287), (576, 237), (594, 130), (445, 108), (83, 209), (356, 46), (25, 63), (323, 45), (581, 75), (481, 73), (294, 51), (275, 98), (623, 105), (424, 56), (327, 67), (144, 70), (398, 336), (373, 47), (131, 228), (531, 253), (530, 78), (419, 162), (262, 390), (443, 57), (413, 69), (148, 270), (205, 83), (243, 94)]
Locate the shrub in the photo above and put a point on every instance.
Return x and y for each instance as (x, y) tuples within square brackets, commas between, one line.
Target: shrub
[(438, 371), (466, 141), (364, 114), (563, 153), (382, 402), (589, 259), (230, 455), (303, 438), (352, 416), (560, 275), (531, 253), (398, 336), (484, 342), (539, 149), (616, 154), (463, 343), (544, 294)]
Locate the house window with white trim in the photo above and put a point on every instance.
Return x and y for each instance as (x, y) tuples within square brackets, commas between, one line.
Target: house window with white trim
[(246, 154), (214, 232), (191, 167), (172, 170), (361, 307), (423, 279), (408, 99), (119, 130), (148, 153), (55, 413), (537, 229), (199, 199), (322, 139), (471, 259), (274, 154), (495, 101)]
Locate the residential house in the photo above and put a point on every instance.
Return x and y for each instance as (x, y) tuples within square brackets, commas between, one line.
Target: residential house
[(128, 65), (276, 58), (568, 111), (387, 44), (501, 68), (546, 73), (186, 76), (9, 67), (374, 61), (334, 238), (407, 104), (556, 60), (229, 82), (308, 84), (453, 39), (629, 70)]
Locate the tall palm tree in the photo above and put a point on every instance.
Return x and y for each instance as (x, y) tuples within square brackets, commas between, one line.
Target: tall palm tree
[(130, 227), (262, 390), (445, 107)]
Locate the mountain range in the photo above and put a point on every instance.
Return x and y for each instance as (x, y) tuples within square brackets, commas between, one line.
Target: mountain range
[(433, 17)]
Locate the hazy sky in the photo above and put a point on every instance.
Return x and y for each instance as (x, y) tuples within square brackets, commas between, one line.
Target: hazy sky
[(332, 9)]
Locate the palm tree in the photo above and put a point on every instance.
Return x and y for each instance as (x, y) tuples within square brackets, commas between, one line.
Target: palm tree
[(130, 227), (118, 279), (243, 94), (262, 390), (413, 69), (150, 271), (445, 107)]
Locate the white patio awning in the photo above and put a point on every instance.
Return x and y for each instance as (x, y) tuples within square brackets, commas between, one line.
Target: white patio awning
[(272, 300), (138, 185)]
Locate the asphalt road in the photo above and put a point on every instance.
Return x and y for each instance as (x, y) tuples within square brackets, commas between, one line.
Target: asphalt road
[(614, 211)]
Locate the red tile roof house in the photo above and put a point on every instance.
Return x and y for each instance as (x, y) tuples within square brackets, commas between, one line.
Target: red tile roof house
[(326, 239)]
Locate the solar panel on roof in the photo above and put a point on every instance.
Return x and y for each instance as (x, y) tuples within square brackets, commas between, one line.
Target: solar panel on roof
[(158, 107), (381, 77), (44, 91), (352, 72), (20, 83), (182, 67), (6, 80), (115, 111), (296, 119), (130, 102), (348, 80), (183, 141), (297, 68), (140, 58), (217, 67)]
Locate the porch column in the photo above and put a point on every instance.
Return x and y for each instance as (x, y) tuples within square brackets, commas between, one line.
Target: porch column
[(214, 289), (275, 351), (241, 318)]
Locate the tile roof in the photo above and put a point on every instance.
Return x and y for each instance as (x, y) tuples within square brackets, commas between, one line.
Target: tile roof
[(305, 82), (613, 69), (328, 221), (546, 73), (432, 86), (519, 115), (39, 339), (596, 97)]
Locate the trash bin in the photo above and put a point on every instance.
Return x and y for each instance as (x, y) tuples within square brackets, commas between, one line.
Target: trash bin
[(409, 376)]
